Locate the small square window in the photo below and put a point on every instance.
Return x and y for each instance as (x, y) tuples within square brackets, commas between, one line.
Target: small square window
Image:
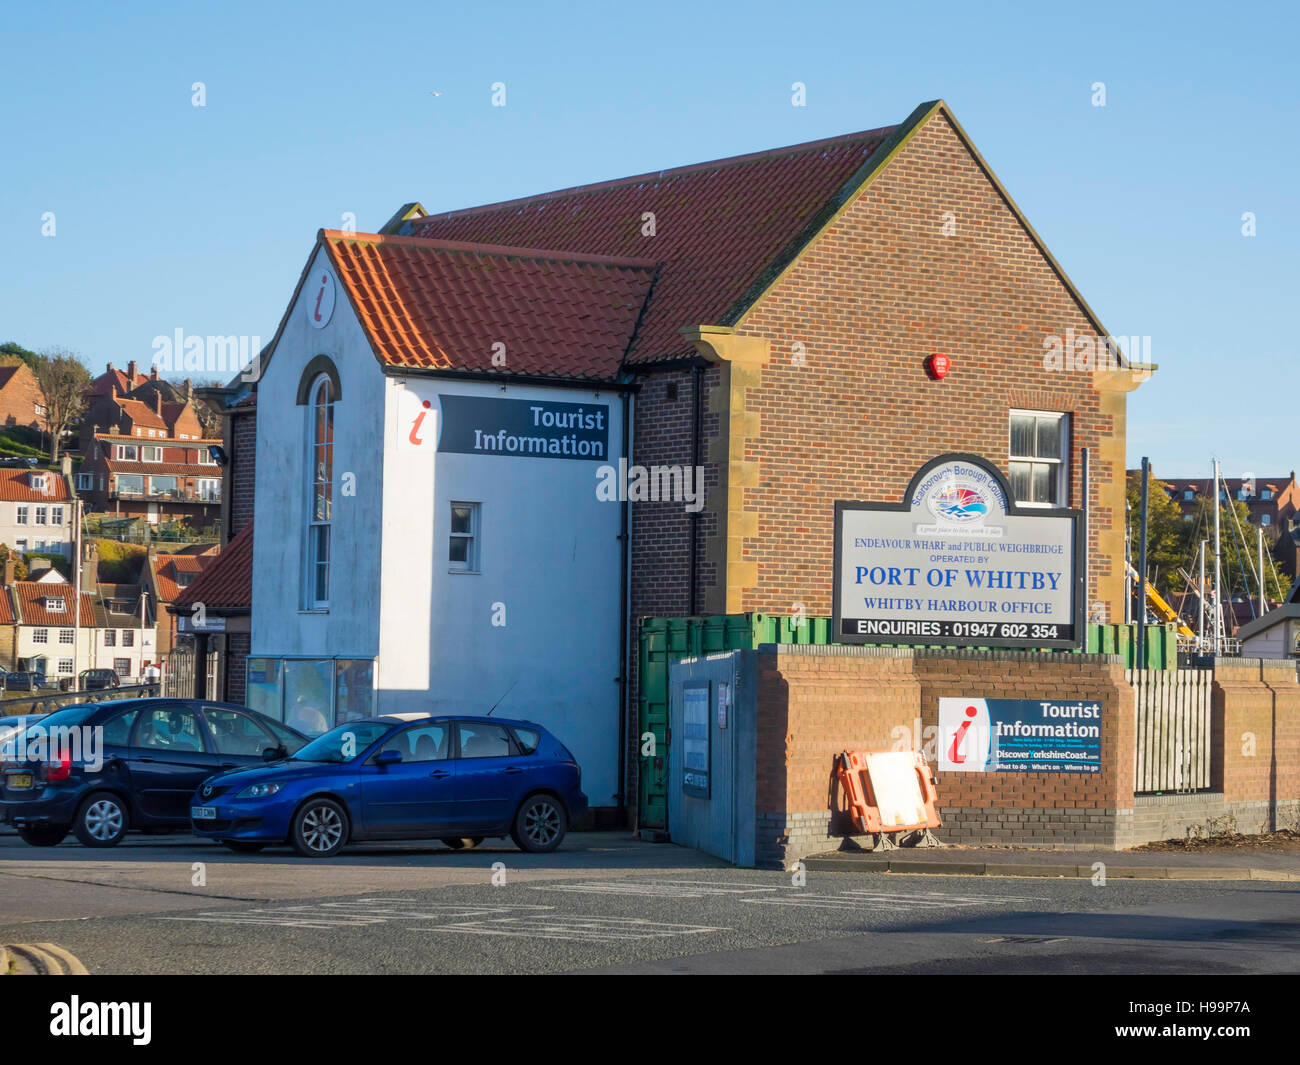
[(1039, 464), (462, 550)]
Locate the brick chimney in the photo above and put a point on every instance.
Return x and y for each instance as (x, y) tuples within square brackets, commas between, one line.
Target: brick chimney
[(66, 466), (157, 402), (131, 374), (189, 390), (110, 367), (9, 571), (153, 374)]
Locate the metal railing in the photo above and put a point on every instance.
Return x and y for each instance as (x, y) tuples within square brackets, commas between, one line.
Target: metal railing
[(15, 703)]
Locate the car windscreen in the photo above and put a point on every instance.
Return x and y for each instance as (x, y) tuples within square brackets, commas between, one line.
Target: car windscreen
[(344, 743)]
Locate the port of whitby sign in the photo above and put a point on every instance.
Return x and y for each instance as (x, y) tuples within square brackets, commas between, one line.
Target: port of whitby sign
[(957, 564)]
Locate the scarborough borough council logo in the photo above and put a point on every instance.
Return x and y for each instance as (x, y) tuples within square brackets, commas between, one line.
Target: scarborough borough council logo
[(958, 503)]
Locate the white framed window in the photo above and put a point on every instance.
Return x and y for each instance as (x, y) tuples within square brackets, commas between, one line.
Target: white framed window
[(40, 635), (152, 434), (42, 513), (85, 482), (320, 493), (130, 483), (22, 515), (41, 410), (463, 543), (39, 482), (205, 457), (1039, 458), (65, 667), (56, 515), (67, 636), (209, 489), (127, 452), (20, 546), (151, 454), (55, 604)]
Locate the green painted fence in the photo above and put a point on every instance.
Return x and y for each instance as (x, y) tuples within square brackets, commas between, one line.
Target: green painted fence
[(664, 640)]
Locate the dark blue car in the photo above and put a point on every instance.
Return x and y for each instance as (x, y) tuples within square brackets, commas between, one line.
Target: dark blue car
[(457, 779), (101, 769)]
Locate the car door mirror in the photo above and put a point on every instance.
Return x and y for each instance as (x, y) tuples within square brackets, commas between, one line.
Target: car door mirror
[(274, 754), (388, 757)]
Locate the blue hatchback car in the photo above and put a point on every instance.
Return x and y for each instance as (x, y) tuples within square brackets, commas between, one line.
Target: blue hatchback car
[(457, 779)]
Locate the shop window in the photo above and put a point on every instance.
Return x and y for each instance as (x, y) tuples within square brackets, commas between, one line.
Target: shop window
[(1038, 458), (320, 477), (462, 552)]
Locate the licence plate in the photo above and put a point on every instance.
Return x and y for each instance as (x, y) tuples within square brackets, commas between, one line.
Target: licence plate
[(203, 813), (20, 780)]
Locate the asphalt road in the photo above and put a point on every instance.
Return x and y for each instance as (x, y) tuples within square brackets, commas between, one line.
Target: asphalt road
[(606, 903)]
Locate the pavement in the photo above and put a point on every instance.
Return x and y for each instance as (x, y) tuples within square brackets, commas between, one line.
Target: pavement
[(608, 903), (1227, 864)]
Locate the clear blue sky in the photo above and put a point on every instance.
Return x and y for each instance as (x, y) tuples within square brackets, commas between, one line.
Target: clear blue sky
[(170, 216)]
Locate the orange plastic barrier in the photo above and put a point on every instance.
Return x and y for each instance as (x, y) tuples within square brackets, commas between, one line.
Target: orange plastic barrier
[(901, 815)]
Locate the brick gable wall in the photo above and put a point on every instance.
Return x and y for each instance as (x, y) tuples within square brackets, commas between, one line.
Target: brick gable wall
[(870, 299), (19, 399)]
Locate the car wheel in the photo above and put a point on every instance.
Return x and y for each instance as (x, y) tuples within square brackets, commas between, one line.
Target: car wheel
[(540, 824), (43, 835), (243, 846), (102, 820), (463, 843), (320, 828)]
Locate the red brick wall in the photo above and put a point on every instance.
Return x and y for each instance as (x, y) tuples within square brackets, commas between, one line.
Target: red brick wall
[(1256, 730), (870, 300), (18, 400), (814, 705), (241, 443)]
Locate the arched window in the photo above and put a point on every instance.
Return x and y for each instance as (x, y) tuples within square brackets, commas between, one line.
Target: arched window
[(320, 487)]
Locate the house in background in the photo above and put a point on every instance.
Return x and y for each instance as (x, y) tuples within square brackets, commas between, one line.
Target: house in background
[(21, 400), (160, 481), (114, 381), (164, 577), (52, 636), (1273, 504), (36, 511)]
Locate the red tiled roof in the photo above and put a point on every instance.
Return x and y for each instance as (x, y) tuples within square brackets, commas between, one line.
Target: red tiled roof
[(15, 486), (445, 305), (722, 227), (31, 608), (141, 413), (228, 582), (103, 384), (183, 469), (6, 607), (166, 568)]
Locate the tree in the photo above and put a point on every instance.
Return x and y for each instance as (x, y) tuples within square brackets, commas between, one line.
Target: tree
[(17, 351), (1166, 533), (20, 566), (64, 380)]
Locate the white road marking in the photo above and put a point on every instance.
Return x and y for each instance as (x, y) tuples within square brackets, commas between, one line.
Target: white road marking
[(351, 913), (576, 928), (868, 900), (678, 889)]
